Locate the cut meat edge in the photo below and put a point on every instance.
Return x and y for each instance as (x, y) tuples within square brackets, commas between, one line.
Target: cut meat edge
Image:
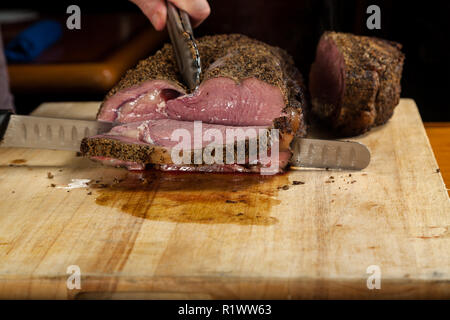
[(327, 79), (221, 100), (149, 142), (138, 103)]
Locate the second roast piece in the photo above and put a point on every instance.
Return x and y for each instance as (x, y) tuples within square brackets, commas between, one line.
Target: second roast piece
[(355, 81)]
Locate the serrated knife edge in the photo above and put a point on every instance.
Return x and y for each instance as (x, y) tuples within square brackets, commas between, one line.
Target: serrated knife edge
[(50, 133)]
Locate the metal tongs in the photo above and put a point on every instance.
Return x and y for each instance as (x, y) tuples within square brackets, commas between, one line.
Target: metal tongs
[(184, 45)]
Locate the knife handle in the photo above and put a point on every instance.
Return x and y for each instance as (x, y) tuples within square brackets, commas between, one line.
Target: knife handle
[(5, 115)]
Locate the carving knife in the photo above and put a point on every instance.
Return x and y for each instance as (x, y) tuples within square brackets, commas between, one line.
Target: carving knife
[(66, 134), (330, 154), (184, 45), (47, 133)]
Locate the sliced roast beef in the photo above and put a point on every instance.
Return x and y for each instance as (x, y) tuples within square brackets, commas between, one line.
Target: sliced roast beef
[(245, 83), (354, 81), (152, 142)]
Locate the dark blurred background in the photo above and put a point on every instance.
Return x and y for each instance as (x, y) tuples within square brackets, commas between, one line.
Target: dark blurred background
[(108, 27)]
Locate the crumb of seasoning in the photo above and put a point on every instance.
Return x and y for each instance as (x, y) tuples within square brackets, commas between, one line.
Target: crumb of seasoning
[(52, 185), (349, 174), (68, 190), (89, 193), (328, 181), (327, 169), (13, 191), (230, 201), (295, 183), (240, 214), (353, 181), (438, 170), (60, 170), (285, 187), (331, 177), (50, 175)]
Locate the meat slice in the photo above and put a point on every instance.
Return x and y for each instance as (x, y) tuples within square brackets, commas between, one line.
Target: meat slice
[(245, 83), (252, 102), (354, 81), (152, 141), (144, 102)]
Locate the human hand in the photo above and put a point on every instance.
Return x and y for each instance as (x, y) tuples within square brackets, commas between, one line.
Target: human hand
[(156, 10)]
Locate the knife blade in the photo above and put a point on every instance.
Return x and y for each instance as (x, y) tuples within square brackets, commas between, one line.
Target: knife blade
[(47, 133), (332, 154), (184, 45), (66, 134)]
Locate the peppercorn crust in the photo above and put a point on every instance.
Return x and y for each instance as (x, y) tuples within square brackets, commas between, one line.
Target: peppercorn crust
[(111, 147), (372, 74)]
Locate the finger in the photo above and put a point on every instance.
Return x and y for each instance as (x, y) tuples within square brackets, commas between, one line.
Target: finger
[(198, 10), (155, 10)]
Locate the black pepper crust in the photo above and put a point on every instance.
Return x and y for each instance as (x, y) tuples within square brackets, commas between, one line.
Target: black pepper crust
[(111, 147), (373, 70)]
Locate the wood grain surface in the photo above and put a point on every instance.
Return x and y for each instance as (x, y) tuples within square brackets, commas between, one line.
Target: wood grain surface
[(207, 236)]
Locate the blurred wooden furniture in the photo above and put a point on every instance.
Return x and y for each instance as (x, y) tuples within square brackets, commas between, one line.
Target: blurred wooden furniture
[(439, 135), (88, 60)]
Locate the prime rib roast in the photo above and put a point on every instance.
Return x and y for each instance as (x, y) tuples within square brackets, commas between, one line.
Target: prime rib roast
[(354, 81), (245, 84)]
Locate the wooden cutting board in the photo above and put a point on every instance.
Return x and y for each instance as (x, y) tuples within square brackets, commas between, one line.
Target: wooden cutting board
[(159, 235)]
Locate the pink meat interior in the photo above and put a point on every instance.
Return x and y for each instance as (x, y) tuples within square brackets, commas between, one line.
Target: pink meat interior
[(217, 101), (159, 132), (222, 101), (151, 112), (327, 74), (144, 102)]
